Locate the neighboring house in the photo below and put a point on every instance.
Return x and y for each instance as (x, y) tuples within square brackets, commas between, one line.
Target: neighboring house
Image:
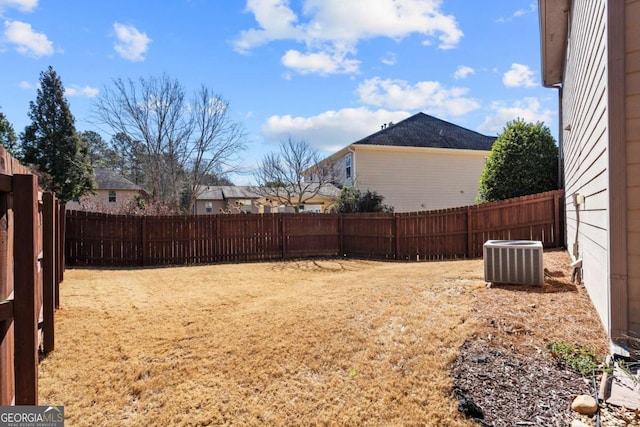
[(113, 192), (591, 54), (421, 163), (215, 199)]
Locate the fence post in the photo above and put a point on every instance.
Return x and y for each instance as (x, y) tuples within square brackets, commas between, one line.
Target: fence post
[(60, 249), (396, 249), (62, 233), (217, 244), (144, 241), (341, 235), (556, 217), (25, 198), (48, 265), (469, 233), (6, 286), (283, 227)]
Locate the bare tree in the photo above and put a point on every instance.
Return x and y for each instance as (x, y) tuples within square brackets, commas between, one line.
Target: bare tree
[(293, 175), (214, 142), (179, 142), (150, 111)]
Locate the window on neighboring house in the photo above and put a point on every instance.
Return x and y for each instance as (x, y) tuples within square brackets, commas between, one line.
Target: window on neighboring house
[(112, 196), (208, 207), (245, 205), (347, 163)]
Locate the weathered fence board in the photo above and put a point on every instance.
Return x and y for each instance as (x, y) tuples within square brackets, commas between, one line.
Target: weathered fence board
[(48, 270), (117, 240), (27, 298)]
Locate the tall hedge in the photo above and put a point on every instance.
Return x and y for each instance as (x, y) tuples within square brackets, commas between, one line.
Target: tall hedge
[(523, 160)]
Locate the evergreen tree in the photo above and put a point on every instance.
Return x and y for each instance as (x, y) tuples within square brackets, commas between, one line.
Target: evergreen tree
[(100, 154), (8, 138), (53, 146), (523, 160)]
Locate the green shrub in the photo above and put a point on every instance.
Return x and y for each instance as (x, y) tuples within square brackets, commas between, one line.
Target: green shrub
[(581, 359), (523, 160)]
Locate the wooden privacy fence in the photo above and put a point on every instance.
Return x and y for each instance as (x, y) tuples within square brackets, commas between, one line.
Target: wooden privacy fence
[(31, 237), (118, 240)]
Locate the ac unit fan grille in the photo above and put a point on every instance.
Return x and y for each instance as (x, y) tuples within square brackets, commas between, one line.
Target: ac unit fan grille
[(507, 262)]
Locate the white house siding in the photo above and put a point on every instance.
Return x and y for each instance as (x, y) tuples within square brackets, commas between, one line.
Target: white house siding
[(632, 82), (416, 179), (585, 146), (339, 168)]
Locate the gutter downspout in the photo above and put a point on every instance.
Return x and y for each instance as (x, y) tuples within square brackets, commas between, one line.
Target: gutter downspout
[(560, 135), (559, 87), (560, 140)]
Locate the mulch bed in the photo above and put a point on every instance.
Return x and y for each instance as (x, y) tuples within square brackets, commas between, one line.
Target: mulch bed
[(514, 389), (506, 369)]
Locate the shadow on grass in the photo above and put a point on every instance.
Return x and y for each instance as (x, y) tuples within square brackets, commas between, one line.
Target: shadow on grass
[(551, 285)]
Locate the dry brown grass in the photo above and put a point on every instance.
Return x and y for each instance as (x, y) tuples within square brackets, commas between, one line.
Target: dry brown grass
[(297, 343), (331, 342), (528, 318)]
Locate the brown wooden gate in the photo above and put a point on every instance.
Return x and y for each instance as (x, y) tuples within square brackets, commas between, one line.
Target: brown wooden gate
[(30, 273)]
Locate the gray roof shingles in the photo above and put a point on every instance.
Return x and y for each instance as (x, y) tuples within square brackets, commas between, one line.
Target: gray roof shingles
[(224, 192), (422, 130), (108, 179)]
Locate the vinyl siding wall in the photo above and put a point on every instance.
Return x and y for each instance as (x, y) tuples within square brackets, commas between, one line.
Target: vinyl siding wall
[(417, 179), (585, 147), (632, 82)]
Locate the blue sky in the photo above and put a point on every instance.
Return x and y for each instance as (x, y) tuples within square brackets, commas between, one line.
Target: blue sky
[(327, 71)]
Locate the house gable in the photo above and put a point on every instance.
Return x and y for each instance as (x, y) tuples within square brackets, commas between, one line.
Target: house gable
[(417, 164), (108, 179), (422, 130)]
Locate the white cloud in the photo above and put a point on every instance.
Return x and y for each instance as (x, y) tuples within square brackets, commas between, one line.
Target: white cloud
[(276, 21), (331, 130), (430, 96), (389, 58), (463, 72), (533, 7), (319, 63), (335, 27), (85, 91), (22, 5), (26, 85), (529, 109), (132, 44), (27, 41), (519, 76)]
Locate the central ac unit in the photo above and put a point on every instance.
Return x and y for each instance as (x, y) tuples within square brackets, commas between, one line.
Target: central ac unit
[(517, 262)]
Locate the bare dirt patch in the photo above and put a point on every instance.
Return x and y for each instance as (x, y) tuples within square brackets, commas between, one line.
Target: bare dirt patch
[(312, 342)]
